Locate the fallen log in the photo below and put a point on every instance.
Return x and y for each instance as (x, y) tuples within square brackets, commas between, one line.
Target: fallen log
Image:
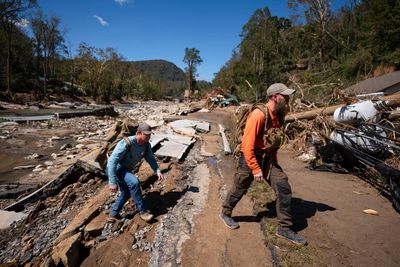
[(389, 101)]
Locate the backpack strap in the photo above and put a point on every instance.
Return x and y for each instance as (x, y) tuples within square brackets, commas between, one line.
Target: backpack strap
[(261, 106), (128, 143)]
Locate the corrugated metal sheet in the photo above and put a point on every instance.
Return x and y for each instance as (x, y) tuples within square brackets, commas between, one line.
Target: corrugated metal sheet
[(388, 83)]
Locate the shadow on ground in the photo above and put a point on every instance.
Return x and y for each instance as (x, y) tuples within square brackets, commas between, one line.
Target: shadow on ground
[(301, 211)]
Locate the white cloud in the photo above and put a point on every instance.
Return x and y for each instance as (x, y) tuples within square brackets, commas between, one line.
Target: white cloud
[(122, 2), (23, 23), (101, 20)]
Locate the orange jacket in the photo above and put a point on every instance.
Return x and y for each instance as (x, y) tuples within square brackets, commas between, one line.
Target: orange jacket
[(253, 134)]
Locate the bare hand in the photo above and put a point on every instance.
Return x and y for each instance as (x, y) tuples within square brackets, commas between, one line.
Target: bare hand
[(160, 176), (113, 188), (258, 177)]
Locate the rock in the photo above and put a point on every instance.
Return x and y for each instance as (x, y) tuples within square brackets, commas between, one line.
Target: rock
[(33, 156), (145, 173), (48, 163), (48, 262), (95, 227), (27, 247), (23, 167), (84, 178), (85, 215), (117, 225), (80, 146), (133, 229), (65, 146), (8, 124), (27, 256), (56, 138), (67, 251), (90, 244), (26, 238), (37, 170)]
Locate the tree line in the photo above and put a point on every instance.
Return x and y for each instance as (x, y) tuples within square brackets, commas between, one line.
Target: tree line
[(34, 57), (316, 51)]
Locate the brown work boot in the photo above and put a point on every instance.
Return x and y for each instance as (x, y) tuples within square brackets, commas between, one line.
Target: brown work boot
[(112, 219), (146, 216)]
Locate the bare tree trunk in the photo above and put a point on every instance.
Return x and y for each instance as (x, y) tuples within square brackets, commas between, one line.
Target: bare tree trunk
[(9, 43), (45, 68), (9, 61)]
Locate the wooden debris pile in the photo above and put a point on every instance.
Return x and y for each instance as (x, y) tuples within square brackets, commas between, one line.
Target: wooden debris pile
[(362, 138)]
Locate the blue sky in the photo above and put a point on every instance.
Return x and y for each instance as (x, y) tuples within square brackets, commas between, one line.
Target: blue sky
[(160, 29)]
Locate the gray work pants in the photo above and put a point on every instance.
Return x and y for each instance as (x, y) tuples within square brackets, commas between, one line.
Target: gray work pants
[(278, 181)]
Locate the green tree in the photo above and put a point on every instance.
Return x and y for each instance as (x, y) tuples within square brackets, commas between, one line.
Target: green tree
[(11, 12), (192, 59), (48, 42), (318, 14)]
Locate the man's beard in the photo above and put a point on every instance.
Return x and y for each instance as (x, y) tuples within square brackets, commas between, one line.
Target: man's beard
[(281, 109)]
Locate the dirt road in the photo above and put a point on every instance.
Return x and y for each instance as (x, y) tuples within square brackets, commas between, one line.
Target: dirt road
[(212, 243), (330, 216), (328, 212)]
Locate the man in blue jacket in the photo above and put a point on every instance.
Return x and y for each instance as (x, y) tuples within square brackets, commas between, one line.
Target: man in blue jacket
[(122, 161)]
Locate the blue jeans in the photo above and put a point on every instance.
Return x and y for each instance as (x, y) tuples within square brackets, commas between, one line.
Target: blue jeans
[(129, 185)]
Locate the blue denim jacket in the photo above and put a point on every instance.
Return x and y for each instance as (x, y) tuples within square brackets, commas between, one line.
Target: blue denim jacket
[(121, 157)]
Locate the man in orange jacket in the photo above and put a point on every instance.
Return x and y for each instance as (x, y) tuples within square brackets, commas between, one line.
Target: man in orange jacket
[(251, 159)]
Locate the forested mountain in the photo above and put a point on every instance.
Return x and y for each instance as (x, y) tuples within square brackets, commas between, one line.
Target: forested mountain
[(329, 49), (160, 70), (170, 78)]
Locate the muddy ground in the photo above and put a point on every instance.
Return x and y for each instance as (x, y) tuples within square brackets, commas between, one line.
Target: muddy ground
[(187, 231)]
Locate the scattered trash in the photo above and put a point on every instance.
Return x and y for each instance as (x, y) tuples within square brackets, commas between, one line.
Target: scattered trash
[(371, 212)]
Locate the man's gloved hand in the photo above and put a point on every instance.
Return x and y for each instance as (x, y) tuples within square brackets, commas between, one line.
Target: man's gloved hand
[(274, 138)]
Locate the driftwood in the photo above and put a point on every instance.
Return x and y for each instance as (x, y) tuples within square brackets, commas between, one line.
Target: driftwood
[(392, 100), (227, 148)]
